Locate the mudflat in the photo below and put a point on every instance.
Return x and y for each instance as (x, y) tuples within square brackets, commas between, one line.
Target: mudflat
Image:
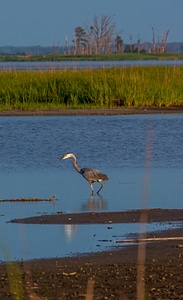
[(131, 216), (104, 275)]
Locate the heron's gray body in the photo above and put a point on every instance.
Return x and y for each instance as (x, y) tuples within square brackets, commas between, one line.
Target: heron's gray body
[(91, 175)]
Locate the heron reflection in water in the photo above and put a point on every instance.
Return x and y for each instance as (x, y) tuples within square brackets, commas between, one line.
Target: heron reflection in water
[(91, 175), (93, 204)]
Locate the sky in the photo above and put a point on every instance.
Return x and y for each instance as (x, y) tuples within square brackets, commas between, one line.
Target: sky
[(48, 22)]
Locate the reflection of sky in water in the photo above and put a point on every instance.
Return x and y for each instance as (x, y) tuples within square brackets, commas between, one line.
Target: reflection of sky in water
[(30, 147), (35, 241), (122, 192), (84, 64)]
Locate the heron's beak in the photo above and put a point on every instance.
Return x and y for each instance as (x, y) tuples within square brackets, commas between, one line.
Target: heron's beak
[(62, 157)]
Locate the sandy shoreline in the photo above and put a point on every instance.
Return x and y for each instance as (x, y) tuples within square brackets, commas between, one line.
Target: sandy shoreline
[(93, 112)]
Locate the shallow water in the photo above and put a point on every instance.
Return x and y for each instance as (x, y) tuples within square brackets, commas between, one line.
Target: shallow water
[(57, 65), (141, 154)]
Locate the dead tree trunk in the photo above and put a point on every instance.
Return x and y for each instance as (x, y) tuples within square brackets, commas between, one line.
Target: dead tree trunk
[(164, 41)]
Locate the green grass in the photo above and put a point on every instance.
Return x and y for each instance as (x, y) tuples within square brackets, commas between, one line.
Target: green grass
[(102, 88)]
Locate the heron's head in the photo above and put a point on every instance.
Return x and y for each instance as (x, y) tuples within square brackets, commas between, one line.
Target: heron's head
[(67, 155)]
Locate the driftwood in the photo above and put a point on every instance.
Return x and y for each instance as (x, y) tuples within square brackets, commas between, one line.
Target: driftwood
[(28, 199), (154, 239)]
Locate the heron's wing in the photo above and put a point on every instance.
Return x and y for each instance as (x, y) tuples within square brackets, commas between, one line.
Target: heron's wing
[(93, 175)]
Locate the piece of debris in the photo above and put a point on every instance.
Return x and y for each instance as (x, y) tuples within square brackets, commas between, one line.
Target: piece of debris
[(28, 199), (154, 239)]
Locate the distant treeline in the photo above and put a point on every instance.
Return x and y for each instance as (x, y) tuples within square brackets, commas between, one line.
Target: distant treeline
[(41, 50)]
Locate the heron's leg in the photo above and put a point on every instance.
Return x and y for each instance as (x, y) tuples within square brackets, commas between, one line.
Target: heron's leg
[(102, 185), (91, 188)]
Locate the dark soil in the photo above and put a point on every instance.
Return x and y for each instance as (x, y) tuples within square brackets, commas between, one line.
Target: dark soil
[(106, 275), (114, 275)]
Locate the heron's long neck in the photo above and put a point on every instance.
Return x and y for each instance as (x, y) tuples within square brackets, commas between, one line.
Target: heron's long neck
[(75, 164)]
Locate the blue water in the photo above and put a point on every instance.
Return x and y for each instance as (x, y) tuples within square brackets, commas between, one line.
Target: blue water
[(141, 154), (57, 65)]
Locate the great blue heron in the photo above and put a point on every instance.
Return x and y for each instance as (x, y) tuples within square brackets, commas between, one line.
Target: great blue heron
[(91, 175)]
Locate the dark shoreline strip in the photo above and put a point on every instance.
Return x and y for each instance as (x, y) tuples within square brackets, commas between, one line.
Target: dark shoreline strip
[(154, 215), (93, 112)]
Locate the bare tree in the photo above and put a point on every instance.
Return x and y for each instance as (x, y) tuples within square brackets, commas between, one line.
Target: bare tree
[(161, 42), (74, 41), (164, 41), (153, 41), (102, 34), (131, 45), (90, 40), (67, 45), (96, 38)]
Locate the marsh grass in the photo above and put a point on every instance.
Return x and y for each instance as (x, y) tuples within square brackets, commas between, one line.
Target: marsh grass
[(93, 57), (91, 88)]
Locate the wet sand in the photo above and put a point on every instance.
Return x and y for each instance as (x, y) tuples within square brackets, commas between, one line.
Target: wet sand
[(107, 275)]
